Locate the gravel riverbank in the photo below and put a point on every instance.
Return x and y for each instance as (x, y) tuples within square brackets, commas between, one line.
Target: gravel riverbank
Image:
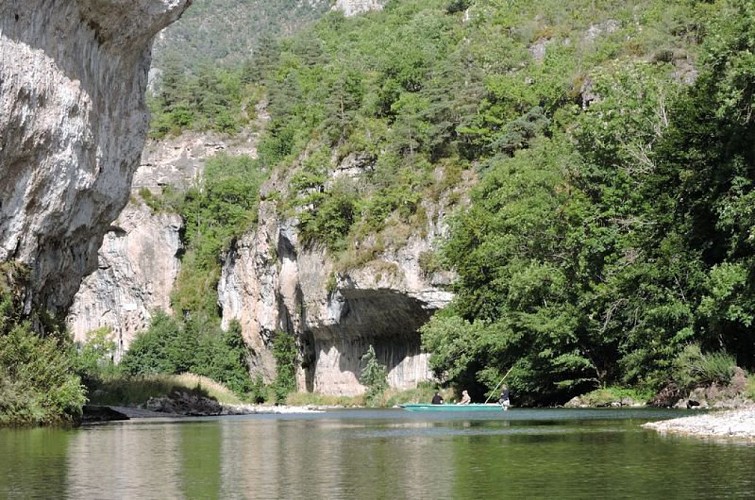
[(738, 423)]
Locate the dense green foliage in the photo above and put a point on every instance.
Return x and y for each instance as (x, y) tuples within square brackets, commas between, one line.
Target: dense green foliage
[(215, 211), (226, 32), (602, 252), (204, 63), (211, 99), (693, 369), (37, 382), (171, 346)]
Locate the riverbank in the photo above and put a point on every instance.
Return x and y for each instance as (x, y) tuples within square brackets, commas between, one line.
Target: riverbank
[(97, 413), (739, 423), (252, 409)]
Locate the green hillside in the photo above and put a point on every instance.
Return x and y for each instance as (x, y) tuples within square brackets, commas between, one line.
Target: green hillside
[(609, 238), (227, 32)]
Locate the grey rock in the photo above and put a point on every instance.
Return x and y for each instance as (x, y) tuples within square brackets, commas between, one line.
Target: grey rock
[(73, 121)]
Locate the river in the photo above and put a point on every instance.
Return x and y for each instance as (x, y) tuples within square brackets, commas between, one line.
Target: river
[(376, 454)]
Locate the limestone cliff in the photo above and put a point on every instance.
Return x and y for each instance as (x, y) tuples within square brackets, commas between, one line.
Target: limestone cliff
[(138, 264), (73, 74), (271, 283), (354, 7), (139, 258)]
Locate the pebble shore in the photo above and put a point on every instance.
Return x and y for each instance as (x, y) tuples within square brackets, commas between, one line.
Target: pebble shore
[(252, 409), (738, 423)]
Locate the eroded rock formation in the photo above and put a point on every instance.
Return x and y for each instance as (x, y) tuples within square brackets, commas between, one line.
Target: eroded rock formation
[(138, 265), (139, 258), (73, 120), (271, 283), (354, 7)]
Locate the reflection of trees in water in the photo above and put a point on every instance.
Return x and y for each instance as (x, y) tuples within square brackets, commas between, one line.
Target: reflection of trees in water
[(21, 452), (141, 459), (369, 454)]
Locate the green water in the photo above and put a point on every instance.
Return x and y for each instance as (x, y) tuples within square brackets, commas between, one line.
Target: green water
[(366, 454)]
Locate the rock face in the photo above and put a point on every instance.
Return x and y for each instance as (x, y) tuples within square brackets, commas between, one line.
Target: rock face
[(139, 258), (271, 284), (138, 264), (354, 7), (73, 74)]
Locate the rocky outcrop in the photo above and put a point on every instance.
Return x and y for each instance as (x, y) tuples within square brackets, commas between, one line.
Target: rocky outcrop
[(354, 7), (184, 402), (271, 283), (732, 394), (139, 258), (138, 265), (73, 120), (733, 424)]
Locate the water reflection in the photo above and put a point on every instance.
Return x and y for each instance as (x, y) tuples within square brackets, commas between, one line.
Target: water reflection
[(323, 459), (379, 454), (125, 458), (33, 463)]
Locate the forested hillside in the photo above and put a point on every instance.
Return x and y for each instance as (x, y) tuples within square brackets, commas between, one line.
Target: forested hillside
[(609, 238), (228, 32)]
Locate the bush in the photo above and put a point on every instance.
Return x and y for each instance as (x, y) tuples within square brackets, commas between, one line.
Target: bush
[(223, 357), (750, 388), (170, 346), (37, 383), (163, 348), (93, 359), (373, 376), (609, 395), (285, 353), (692, 368)]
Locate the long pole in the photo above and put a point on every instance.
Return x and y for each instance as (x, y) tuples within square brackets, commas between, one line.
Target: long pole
[(499, 384)]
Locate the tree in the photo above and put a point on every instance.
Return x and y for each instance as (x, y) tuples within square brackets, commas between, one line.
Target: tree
[(373, 376), (285, 354)]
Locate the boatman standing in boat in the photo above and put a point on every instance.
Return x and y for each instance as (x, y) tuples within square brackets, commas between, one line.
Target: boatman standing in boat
[(504, 399)]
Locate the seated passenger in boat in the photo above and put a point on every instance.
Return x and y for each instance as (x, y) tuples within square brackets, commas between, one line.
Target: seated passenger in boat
[(437, 399), (465, 399)]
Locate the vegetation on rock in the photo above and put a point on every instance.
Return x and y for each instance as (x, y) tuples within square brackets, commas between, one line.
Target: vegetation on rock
[(608, 241), (611, 227), (285, 353)]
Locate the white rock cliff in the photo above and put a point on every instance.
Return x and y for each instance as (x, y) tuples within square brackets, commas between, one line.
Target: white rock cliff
[(139, 258), (355, 7), (73, 120), (271, 283)]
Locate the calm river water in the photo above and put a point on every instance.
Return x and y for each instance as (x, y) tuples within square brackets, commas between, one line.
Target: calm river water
[(376, 454)]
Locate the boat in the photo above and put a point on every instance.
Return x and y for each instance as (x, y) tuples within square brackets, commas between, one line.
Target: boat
[(451, 407)]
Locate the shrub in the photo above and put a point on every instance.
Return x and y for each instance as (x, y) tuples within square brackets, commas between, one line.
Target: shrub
[(37, 383), (609, 395), (170, 346), (223, 358), (693, 368), (163, 348), (285, 353), (750, 387), (94, 358), (373, 376)]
